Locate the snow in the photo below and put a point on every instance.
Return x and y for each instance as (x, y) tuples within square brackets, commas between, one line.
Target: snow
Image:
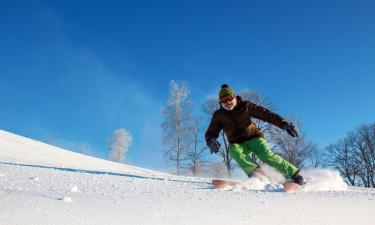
[(42, 184), (317, 180)]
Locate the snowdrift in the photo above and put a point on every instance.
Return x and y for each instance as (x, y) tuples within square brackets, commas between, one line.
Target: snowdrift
[(22, 150)]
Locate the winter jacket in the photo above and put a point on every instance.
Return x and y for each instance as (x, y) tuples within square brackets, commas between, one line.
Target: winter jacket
[(237, 123)]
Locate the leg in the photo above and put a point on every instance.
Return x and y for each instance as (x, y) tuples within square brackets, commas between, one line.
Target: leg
[(243, 159), (260, 147)]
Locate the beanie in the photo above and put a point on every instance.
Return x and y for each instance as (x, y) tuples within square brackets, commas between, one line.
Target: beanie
[(225, 90)]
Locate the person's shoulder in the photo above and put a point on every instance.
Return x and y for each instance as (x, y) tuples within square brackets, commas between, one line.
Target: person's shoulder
[(243, 102), (218, 112)]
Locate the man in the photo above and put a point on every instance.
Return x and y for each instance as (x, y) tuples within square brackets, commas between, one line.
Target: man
[(234, 117)]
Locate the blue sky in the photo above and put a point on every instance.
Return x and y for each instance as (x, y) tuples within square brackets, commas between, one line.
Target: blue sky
[(71, 72)]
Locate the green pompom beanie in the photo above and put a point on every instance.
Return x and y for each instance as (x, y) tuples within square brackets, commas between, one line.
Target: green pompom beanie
[(225, 90)]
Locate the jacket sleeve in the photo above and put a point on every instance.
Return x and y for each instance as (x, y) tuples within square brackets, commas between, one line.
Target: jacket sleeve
[(266, 115), (213, 129)]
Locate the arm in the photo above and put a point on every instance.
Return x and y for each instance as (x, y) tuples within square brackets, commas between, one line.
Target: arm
[(266, 115), (213, 129)]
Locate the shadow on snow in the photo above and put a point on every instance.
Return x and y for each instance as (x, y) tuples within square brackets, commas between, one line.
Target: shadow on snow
[(100, 172)]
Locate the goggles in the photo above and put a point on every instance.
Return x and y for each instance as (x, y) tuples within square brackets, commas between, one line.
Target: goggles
[(226, 98)]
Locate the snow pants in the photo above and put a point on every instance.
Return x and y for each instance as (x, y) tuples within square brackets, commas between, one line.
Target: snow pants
[(241, 153)]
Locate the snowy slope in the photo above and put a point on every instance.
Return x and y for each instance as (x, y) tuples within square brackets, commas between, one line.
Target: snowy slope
[(41, 184)]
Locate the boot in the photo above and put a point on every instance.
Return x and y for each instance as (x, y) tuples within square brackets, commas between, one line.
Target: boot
[(298, 179)]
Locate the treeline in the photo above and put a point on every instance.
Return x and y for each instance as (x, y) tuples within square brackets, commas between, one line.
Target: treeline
[(354, 156), (185, 148)]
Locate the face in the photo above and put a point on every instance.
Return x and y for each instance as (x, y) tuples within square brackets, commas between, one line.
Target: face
[(228, 102)]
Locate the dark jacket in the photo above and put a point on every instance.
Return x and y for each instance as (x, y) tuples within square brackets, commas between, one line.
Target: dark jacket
[(237, 124)]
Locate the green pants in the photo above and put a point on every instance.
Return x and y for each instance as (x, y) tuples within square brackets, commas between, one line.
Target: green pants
[(259, 146)]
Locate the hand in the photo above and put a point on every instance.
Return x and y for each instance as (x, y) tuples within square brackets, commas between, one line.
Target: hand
[(214, 145), (292, 130)]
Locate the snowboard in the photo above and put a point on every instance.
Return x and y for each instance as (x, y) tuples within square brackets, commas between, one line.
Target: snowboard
[(222, 184), (292, 187)]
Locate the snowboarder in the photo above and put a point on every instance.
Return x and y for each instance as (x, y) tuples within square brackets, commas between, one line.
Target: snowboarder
[(234, 117)]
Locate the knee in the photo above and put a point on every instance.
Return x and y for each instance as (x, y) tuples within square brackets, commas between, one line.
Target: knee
[(235, 150), (263, 147)]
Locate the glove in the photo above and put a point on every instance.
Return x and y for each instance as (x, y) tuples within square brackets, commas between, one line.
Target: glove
[(214, 145), (291, 129)]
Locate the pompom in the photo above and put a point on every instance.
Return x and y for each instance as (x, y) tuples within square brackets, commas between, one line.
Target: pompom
[(224, 86)]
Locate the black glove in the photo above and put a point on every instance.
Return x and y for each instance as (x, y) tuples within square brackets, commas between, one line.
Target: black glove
[(214, 145), (291, 129)]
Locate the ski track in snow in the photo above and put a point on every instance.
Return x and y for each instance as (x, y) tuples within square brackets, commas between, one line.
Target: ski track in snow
[(42, 184)]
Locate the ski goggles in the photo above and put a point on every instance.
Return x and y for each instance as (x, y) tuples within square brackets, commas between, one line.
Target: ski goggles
[(226, 98)]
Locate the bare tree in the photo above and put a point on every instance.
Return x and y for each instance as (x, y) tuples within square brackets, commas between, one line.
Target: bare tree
[(354, 156), (316, 159), (340, 158), (362, 145), (364, 142), (296, 150), (119, 143), (177, 124), (195, 157)]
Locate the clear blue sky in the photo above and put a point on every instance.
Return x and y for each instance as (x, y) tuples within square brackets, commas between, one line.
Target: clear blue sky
[(73, 71)]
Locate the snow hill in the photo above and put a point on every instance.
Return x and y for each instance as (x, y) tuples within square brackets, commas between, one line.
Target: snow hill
[(42, 184)]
